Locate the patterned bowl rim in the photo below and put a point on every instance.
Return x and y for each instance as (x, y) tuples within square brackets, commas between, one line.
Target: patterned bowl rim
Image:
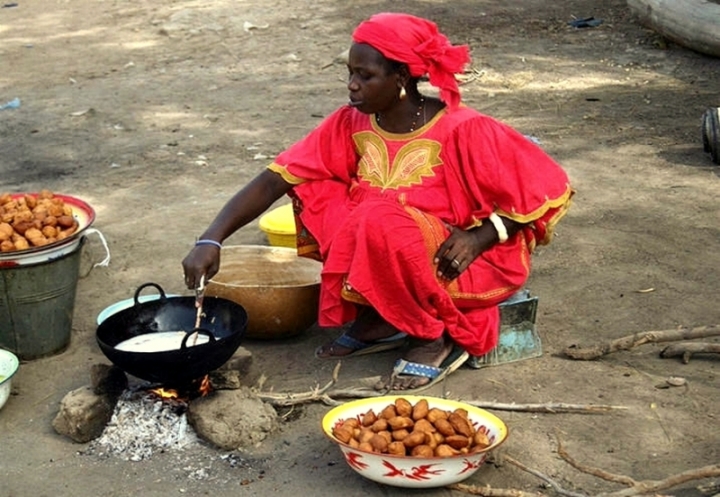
[(336, 413)]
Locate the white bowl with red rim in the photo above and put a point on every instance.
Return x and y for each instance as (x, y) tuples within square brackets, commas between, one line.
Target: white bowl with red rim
[(410, 471), (83, 214)]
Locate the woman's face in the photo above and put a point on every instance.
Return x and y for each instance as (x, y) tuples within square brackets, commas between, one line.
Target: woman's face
[(373, 86)]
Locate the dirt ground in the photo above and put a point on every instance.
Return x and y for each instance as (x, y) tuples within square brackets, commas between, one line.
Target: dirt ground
[(156, 112)]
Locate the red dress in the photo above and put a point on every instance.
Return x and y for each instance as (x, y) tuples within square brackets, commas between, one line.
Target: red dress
[(374, 207)]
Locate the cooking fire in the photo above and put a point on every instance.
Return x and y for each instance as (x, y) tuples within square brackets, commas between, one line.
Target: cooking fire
[(196, 388), (145, 421), (124, 416)]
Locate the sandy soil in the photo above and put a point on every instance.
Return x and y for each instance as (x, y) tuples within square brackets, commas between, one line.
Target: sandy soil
[(154, 113)]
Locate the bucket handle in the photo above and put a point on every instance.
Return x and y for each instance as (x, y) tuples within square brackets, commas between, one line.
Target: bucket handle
[(106, 261), (142, 287)]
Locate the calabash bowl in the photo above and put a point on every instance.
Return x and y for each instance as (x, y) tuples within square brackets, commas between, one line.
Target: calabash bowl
[(410, 471), (279, 289)]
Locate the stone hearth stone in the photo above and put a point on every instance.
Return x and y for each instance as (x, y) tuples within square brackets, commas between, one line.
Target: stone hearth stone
[(232, 419), (106, 379), (83, 415)]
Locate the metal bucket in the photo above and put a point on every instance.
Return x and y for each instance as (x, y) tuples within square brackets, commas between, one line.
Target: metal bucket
[(36, 304)]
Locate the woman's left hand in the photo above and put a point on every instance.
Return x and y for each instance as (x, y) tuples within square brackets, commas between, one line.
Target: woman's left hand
[(461, 248)]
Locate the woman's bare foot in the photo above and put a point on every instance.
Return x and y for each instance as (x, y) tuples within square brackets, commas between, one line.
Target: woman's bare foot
[(429, 353), (368, 327)]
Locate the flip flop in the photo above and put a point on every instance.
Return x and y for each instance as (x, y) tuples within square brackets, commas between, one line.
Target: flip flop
[(452, 362), (359, 347)]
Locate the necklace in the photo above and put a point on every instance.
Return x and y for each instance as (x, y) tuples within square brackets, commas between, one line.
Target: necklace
[(420, 112)]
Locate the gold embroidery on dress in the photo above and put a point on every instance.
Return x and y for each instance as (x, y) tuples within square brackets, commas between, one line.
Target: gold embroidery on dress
[(414, 161)]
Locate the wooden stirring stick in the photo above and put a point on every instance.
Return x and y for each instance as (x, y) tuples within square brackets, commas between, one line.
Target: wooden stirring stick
[(199, 294)]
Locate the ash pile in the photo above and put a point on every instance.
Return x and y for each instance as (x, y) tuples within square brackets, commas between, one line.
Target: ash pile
[(115, 418), (141, 424)]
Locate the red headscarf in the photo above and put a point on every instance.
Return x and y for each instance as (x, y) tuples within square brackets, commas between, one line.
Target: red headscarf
[(418, 43)]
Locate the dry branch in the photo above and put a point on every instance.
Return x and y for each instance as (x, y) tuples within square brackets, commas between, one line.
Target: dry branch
[(631, 341), (549, 408), (645, 487), (686, 350), (558, 489), (330, 397), (492, 492)]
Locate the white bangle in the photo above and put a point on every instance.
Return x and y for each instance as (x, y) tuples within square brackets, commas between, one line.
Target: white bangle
[(499, 227), (208, 242)]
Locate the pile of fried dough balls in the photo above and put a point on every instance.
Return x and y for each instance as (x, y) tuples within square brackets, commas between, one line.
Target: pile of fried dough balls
[(403, 429), (34, 221)]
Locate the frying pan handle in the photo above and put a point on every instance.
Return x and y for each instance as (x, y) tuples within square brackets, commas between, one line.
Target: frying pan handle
[(199, 331), (144, 286)]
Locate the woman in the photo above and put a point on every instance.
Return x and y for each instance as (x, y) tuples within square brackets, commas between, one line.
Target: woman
[(424, 212)]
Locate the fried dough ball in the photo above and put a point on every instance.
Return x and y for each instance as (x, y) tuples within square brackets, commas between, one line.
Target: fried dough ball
[(7, 246), (6, 231), (30, 201), (66, 221), (50, 232), (21, 243), (23, 216)]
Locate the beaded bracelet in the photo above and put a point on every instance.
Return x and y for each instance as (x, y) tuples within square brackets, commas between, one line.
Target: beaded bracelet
[(208, 242), (499, 227)]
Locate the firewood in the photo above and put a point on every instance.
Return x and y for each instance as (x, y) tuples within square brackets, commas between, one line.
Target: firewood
[(637, 339), (687, 349)]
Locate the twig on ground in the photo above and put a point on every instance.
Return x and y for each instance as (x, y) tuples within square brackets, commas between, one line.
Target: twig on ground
[(631, 341), (290, 399), (492, 492), (330, 397), (686, 350), (558, 489), (640, 487), (549, 408)]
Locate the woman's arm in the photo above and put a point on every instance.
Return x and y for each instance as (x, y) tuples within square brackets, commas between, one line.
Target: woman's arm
[(246, 205)]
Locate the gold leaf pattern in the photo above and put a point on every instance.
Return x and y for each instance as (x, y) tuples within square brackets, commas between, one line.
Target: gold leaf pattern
[(414, 161), (373, 158)]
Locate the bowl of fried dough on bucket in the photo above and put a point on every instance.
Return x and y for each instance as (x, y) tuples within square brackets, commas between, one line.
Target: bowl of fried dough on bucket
[(413, 441)]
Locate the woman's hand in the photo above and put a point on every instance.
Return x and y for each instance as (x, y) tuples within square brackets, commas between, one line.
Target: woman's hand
[(462, 247), (202, 260)]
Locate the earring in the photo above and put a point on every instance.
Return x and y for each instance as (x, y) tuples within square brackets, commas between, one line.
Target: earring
[(403, 93)]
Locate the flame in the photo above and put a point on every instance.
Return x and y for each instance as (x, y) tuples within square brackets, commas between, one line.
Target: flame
[(166, 394), (205, 386)]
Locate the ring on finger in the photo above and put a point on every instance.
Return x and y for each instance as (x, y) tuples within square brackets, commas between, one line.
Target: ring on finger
[(455, 263)]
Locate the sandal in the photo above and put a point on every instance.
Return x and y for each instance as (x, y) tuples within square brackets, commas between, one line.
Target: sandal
[(452, 362), (359, 347)]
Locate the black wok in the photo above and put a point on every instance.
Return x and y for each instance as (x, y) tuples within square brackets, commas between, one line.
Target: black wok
[(223, 321)]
